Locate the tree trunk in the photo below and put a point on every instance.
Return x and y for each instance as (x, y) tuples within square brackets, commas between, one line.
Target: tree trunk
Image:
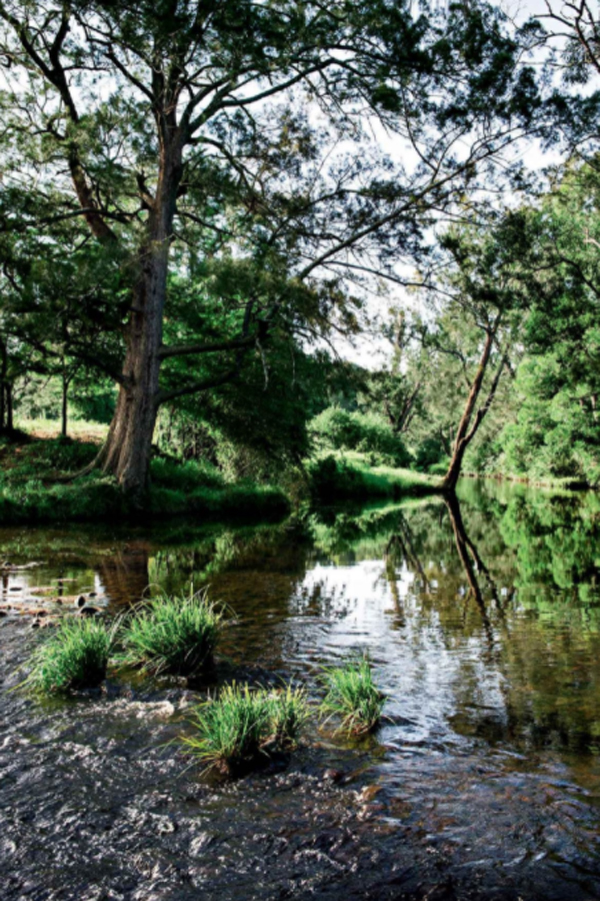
[(10, 426), (65, 411), (126, 454), (3, 384), (463, 435)]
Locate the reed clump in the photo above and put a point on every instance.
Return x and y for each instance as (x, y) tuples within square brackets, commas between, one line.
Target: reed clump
[(176, 635), (242, 725), (353, 697), (75, 657)]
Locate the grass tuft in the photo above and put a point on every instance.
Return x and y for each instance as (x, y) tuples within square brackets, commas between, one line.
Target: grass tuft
[(288, 716), (353, 696), (177, 635), (243, 724), (75, 657)]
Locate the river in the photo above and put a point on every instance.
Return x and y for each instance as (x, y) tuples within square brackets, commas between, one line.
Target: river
[(482, 620)]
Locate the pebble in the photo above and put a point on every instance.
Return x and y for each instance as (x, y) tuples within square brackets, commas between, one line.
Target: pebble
[(332, 775)]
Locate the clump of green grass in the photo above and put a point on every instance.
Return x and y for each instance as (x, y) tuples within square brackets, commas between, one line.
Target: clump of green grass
[(234, 730), (288, 716), (353, 696), (177, 635), (75, 657)]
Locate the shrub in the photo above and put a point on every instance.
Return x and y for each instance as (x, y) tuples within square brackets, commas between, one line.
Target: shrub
[(75, 657), (241, 725), (186, 477), (353, 696), (330, 480), (177, 635), (338, 429), (429, 453)]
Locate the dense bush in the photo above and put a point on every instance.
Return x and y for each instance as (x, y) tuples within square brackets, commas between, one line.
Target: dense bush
[(337, 429), (555, 434), (430, 452)]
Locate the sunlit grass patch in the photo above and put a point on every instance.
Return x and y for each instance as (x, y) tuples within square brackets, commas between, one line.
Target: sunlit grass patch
[(353, 696), (288, 716), (75, 657), (177, 635), (242, 724)]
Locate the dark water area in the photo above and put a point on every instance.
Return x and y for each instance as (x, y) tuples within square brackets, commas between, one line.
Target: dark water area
[(482, 620)]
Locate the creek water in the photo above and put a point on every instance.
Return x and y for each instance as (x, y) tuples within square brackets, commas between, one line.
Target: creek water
[(482, 620)]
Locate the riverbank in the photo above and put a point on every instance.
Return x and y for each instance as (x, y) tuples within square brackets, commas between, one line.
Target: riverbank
[(347, 475), (35, 488), (38, 485)]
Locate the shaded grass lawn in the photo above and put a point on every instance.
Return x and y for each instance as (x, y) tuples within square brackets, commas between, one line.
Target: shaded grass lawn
[(344, 475), (31, 490)]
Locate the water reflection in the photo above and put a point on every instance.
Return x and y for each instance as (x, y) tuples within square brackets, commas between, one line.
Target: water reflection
[(482, 616)]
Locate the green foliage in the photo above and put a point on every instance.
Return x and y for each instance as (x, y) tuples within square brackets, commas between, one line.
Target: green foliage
[(338, 429), (353, 696), (176, 635), (554, 431), (235, 729), (74, 657), (91, 499), (185, 477), (243, 500), (289, 713), (431, 456), (341, 477), (25, 459), (30, 492)]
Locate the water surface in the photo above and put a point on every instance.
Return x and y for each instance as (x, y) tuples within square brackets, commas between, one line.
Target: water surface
[(482, 619)]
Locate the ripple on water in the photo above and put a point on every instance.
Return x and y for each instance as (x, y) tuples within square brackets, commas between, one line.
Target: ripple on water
[(486, 772)]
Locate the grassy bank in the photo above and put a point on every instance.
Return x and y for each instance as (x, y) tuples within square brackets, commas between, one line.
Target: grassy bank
[(35, 486), (33, 490), (348, 475)]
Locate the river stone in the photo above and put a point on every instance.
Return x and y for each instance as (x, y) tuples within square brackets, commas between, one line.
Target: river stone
[(332, 775), (198, 844)]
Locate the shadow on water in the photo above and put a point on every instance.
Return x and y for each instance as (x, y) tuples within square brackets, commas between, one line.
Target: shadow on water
[(481, 615)]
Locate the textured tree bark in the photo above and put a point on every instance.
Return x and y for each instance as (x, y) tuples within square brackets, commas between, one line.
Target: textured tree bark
[(10, 425), (126, 454), (464, 434), (65, 408)]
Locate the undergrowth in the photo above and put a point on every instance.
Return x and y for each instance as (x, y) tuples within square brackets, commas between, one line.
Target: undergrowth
[(352, 475), (34, 487)]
